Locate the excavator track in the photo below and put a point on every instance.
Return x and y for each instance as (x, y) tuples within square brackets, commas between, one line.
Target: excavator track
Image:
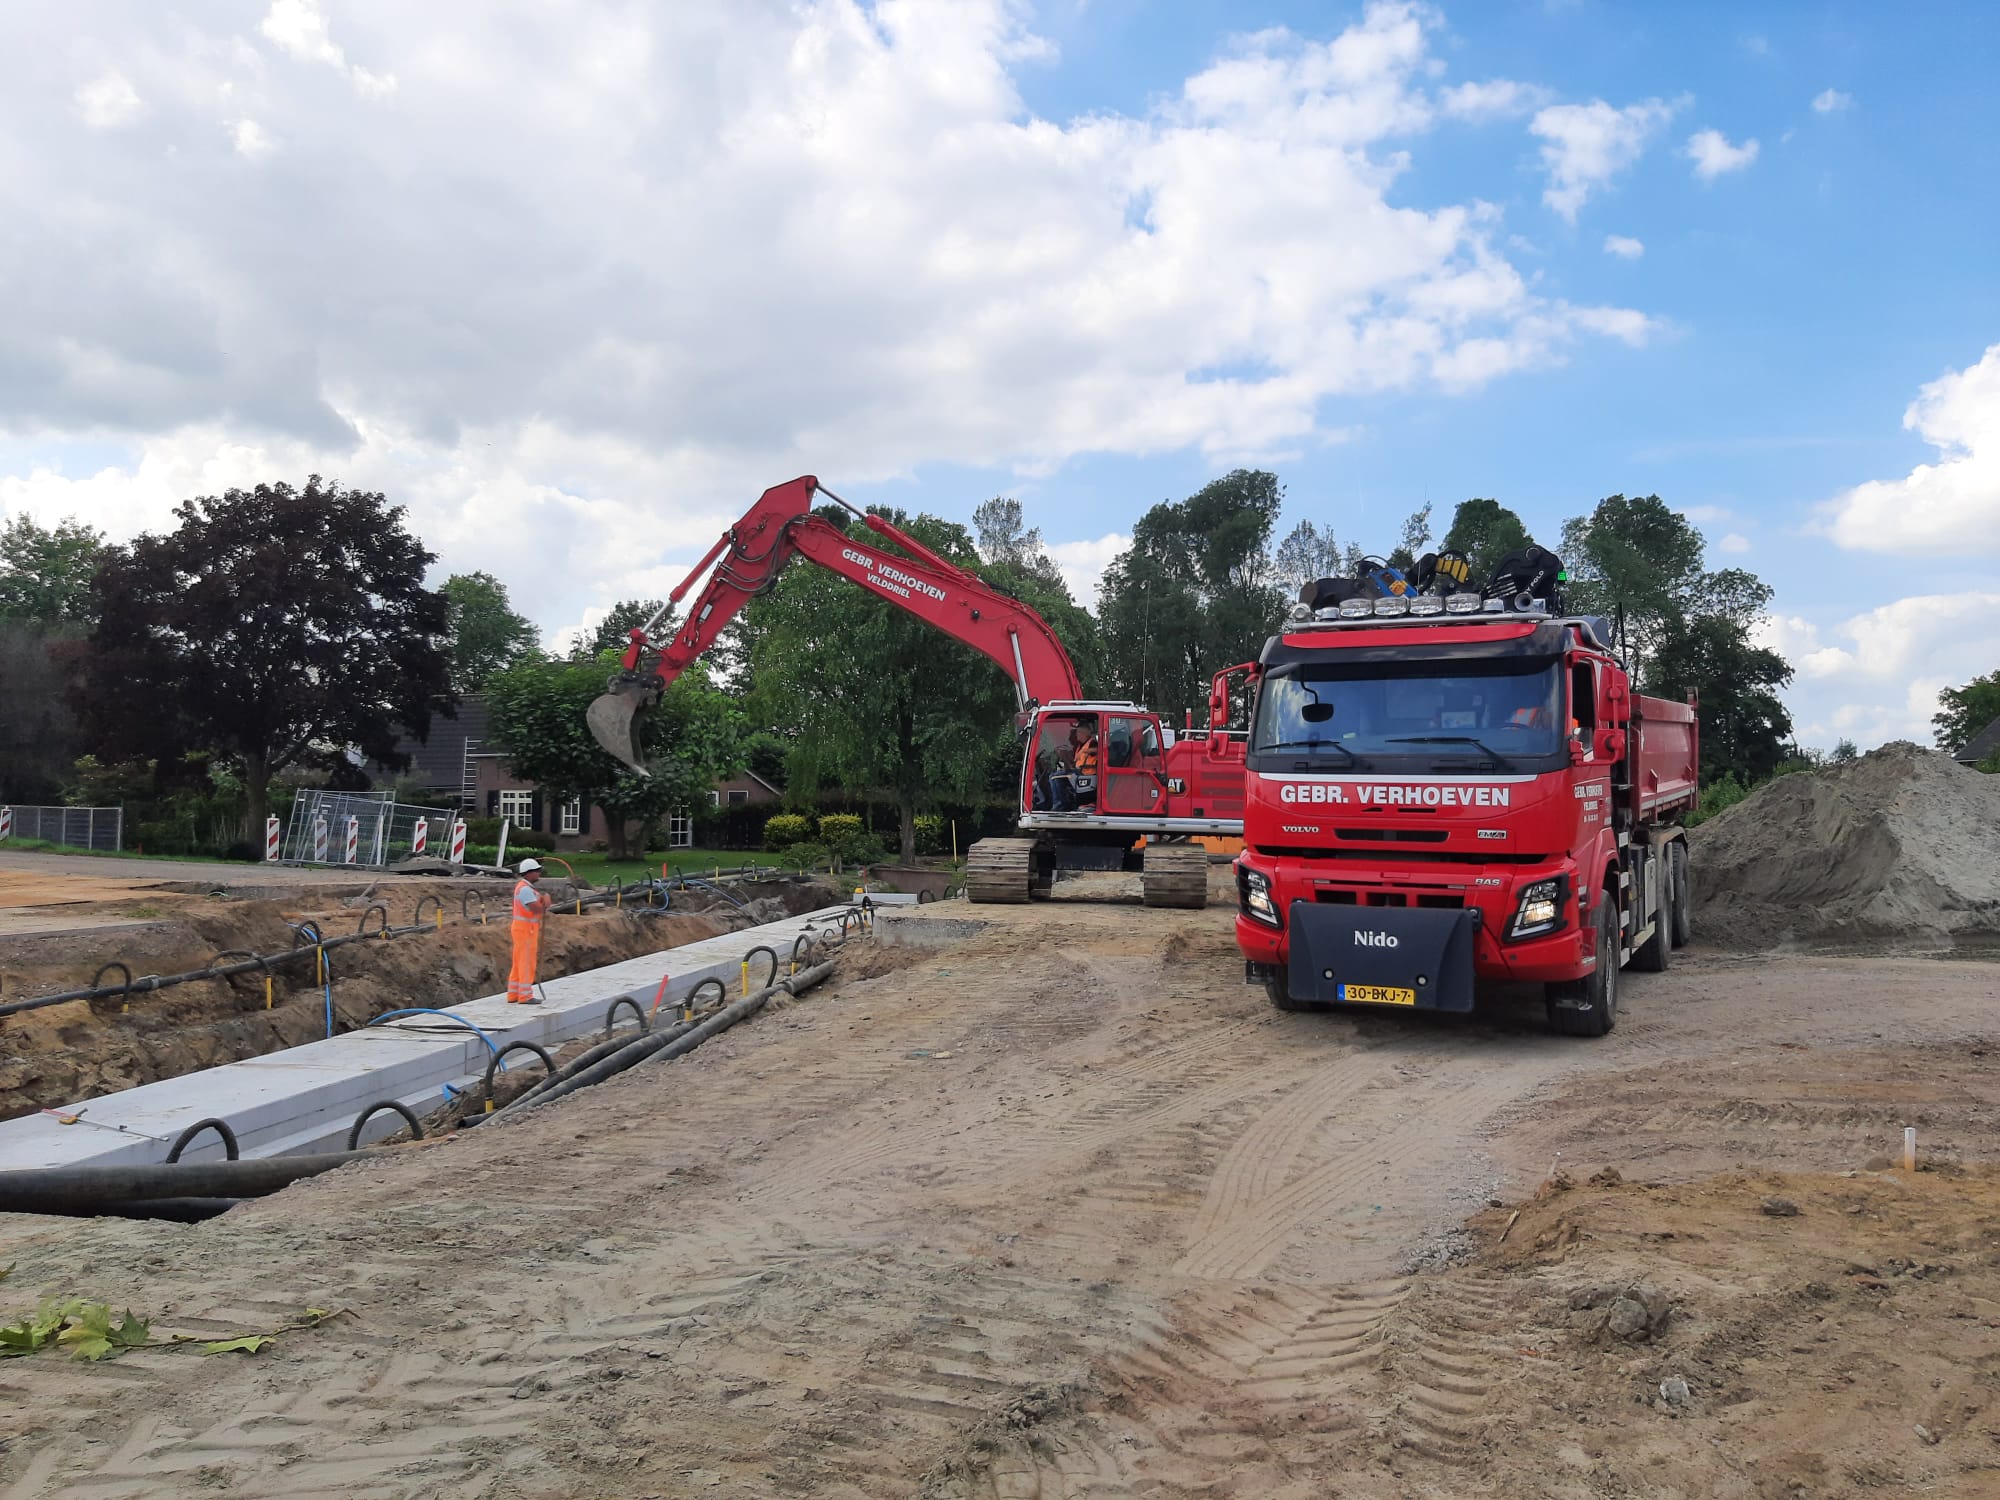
[(1000, 871), (1175, 875)]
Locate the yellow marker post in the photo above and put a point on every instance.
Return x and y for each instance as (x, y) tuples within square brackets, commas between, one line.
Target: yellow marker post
[(267, 989), (319, 965), (744, 982)]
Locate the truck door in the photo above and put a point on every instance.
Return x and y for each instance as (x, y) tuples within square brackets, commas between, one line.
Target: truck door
[(1134, 765)]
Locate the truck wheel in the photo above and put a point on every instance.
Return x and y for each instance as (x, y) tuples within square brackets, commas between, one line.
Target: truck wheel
[(1653, 955), (1589, 1006), (1274, 987), (1683, 922)]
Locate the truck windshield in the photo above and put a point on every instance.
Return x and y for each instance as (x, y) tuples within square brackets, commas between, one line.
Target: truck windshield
[(1414, 713)]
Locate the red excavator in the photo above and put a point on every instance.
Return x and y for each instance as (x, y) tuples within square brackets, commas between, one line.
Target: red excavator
[(1104, 785)]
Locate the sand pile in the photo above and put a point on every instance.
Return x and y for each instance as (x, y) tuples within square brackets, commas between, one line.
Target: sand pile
[(1900, 848)]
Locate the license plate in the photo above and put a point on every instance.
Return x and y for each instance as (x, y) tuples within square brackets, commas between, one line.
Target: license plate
[(1376, 994)]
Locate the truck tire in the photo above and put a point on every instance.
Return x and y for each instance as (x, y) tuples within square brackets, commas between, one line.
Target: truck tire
[(1175, 875), (1000, 871), (1281, 997), (1653, 955), (1589, 1006), (1683, 922)]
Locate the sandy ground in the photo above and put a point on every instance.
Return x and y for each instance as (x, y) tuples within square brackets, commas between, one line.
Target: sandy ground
[(1052, 1205)]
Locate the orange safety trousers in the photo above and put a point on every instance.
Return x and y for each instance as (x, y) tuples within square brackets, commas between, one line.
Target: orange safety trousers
[(527, 934)]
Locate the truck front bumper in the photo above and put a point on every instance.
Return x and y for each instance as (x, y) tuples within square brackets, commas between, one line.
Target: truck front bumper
[(1419, 957)]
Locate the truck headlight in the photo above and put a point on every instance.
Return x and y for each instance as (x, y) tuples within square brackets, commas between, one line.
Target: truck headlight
[(1540, 908), (1253, 887)]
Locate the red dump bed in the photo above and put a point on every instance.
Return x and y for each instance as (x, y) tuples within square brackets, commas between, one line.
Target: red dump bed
[(1665, 757)]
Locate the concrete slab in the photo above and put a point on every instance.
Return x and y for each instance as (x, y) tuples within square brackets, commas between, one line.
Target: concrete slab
[(306, 1098)]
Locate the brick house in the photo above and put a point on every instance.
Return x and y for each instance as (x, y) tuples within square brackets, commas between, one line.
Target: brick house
[(456, 768)]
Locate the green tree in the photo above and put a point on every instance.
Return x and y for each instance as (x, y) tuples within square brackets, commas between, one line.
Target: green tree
[(1307, 554), (1638, 555), (612, 633), (486, 633), (1744, 727), (1964, 711), (870, 696), (692, 737), (1198, 590), (45, 572), (1686, 629), (277, 626), (1414, 537), (1844, 752), (1485, 531)]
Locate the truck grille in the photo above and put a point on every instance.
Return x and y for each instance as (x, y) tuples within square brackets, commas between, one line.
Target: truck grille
[(1376, 896)]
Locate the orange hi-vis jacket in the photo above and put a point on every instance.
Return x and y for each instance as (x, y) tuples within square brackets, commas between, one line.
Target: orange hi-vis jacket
[(529, 904), (1086, 757)]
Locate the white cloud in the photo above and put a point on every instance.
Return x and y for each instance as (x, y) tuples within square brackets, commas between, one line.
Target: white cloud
[(299, 29), (1707, 515), (1493, 99), (604, 275), (1876, 675), (1952, 504), (1831, 101), (1623, 246), (107, 102), (1712, 154), (1585, 145), (251, 139), (1735, 543), (1083, 563)]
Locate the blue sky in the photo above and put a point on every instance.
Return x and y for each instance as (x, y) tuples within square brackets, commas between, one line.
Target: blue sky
[(575, 282)]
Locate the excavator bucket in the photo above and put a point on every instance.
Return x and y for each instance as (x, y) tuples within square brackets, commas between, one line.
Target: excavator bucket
[(614, 722)]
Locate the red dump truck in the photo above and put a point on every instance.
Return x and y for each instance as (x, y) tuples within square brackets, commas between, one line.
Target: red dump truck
[(1449, 783)]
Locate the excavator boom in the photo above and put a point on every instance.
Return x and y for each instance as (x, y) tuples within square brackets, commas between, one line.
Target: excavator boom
[(746, 561)]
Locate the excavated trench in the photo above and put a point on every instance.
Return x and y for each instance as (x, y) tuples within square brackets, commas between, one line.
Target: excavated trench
[(78, 1049)]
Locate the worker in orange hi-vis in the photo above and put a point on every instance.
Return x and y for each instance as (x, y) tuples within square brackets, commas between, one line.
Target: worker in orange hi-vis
[(529, 906)]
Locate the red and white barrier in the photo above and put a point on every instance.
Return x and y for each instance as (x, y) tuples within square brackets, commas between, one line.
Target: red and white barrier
[(420, 837), (6, 822), (271, 839), (353, 854), (458, 841), (319, 840)]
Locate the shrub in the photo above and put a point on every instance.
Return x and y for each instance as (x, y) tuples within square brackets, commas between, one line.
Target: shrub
[(1718, 796), (833, 827), (807, 855), (482, 830), (930, 835), (528, 838), (783, 830)]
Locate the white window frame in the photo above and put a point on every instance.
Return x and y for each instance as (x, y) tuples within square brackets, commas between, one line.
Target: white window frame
[(680, 829), (518, 805), (738, 796), (572, 816)]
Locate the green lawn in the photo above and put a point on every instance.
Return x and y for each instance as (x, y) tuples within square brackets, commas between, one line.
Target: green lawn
[(601, 869), (43, 846)]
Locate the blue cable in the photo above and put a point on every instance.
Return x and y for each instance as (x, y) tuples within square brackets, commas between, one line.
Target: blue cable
[(424, 1010)]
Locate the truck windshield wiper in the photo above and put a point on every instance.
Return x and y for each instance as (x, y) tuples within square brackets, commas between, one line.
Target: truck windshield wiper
[(1353, 759), (1452, 739)]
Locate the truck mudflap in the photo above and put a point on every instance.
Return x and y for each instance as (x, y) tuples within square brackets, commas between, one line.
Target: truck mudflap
[(1382, 955)]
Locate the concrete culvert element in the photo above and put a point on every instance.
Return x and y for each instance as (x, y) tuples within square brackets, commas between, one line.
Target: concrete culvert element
[(1898, 847)]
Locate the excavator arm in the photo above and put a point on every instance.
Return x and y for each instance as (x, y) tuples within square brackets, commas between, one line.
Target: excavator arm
[(747, 560)]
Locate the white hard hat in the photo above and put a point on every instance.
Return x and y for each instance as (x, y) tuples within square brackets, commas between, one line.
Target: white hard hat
[(528, 864)]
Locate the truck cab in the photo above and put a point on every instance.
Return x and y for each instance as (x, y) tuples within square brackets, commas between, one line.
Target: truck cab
[(1471, 793)]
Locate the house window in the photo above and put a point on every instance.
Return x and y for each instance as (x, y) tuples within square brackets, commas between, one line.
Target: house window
[(518, 805), (572, 816), (737, 795), (680, 830), (715, 799)]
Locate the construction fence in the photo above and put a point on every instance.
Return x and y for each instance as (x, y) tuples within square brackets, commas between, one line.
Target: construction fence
[(362, 828), (98, 828)]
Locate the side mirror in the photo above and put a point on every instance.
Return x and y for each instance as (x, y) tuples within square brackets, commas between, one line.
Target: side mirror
[(1610, 744), (1218, 704), (1576, 750)]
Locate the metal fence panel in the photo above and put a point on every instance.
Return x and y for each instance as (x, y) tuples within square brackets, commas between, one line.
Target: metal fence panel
[(385, 828), (99, 828)]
